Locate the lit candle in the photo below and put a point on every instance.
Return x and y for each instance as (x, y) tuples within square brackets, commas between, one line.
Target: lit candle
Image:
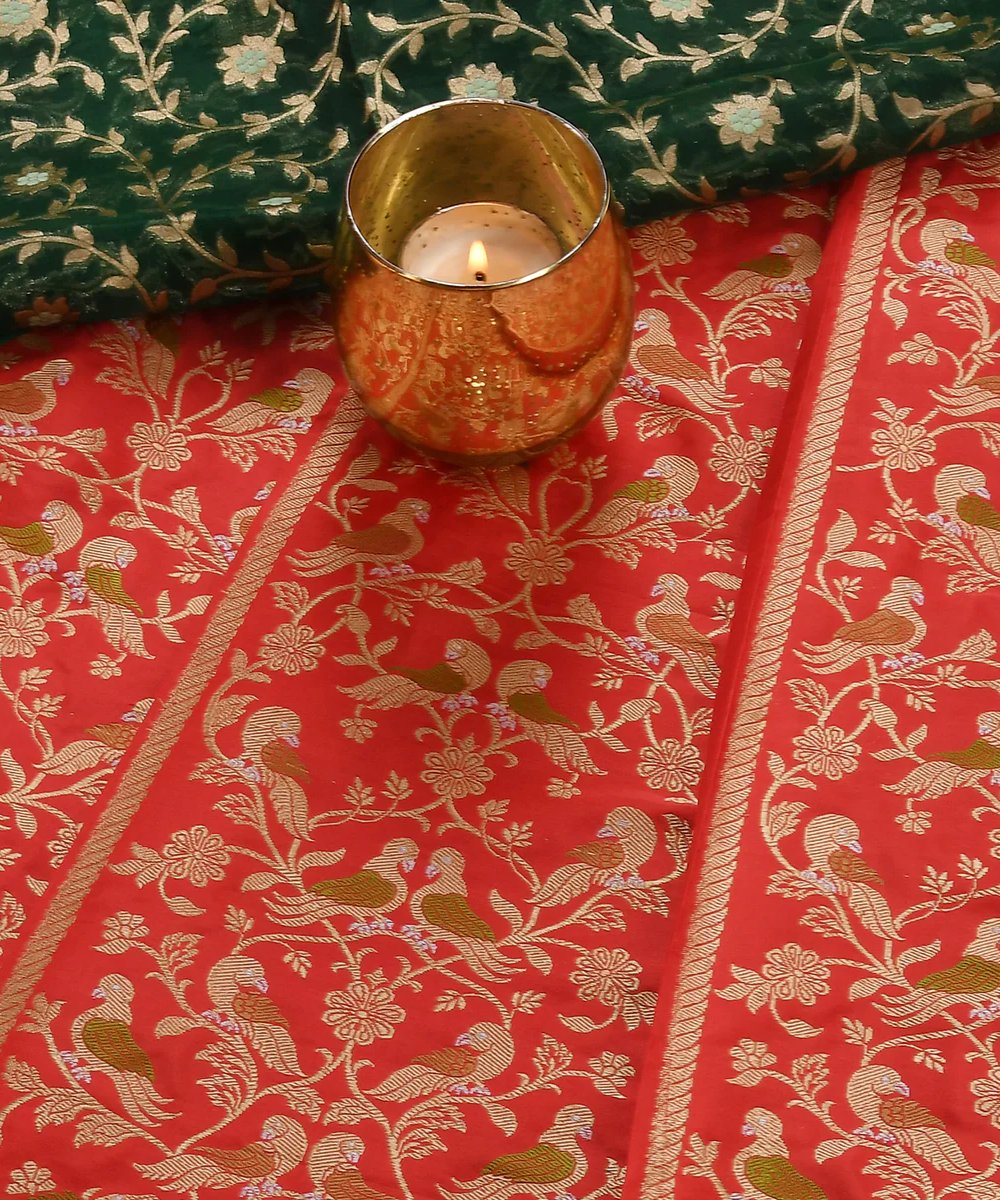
[(480, 243)]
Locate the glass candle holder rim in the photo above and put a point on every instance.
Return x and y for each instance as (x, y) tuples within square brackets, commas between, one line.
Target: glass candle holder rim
[(477, 100)]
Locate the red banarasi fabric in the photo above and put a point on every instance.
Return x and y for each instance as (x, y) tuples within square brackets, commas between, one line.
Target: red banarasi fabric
[(134, 457), (828, 1023), (377, 900)]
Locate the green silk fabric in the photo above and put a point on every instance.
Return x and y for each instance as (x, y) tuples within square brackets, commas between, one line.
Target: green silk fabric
[(157, 155)]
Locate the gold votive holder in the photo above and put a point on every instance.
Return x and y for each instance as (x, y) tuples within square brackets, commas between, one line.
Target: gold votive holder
[(482, 373)]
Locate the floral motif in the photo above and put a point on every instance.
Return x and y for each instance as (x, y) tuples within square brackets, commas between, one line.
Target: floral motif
[(679, 10), (826, 750), (748, 120), (197, 855), (664, 242), (739, 460), (670, 766), (34, 178), (539, 561), (362, 1012), (292, 649), (21, 633), (607, 975), (42, 314), (159, 446), (795, 973), (455, 772), (903, 447), (254, 61), (481, 83), (19, 18)]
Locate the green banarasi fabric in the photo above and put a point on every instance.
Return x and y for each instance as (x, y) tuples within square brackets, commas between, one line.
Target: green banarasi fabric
[(689, 101), (156, 155)]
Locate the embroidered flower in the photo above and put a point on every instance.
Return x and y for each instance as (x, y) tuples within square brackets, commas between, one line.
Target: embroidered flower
[(796, 974), (918, 821), (456, 771), (34, 179), (18, 18), (254, 60), (747, 120), (7, 858), (933, 26), (31, 1180), (125, 927), (611, 1073), (538, 560), (358, 729), (197, 855), (42, 314), (361, 1013), (678, 10), (670, 766), (826, 750), (753, 1056), (739, 460), (665, 241), (159, 446), (606, 974), (903, 447), (482, 83), (21, 633), (987, 1092), (292, 649)]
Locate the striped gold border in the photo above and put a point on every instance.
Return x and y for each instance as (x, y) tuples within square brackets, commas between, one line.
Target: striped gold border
[(162, 736), (768, 637)]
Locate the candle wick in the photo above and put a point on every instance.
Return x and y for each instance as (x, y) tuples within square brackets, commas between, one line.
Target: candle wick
[(480, 277)]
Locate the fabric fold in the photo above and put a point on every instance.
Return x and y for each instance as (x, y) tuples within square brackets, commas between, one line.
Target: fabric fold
[(824, 1044)]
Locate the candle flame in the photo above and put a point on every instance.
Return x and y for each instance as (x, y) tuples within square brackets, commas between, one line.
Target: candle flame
[(478, 261)]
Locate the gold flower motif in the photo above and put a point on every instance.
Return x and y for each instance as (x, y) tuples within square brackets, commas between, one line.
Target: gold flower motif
[(748, 1055), (670, 766), (159, 446), (678, 10), (197, 855), (7, 858), (538, 560), (21, 633), (291, 649), (361, 1013), (611, 1073), (739, 460), (665, 241), (124, 926), (918, 821), (903, 447), (482, 83), (456, 771), (34, 179), (256, 59), (605, 974), (795, 973), (987, 1093), (826, 750), (18, 18), (919, 349), (746, 119), (358, 729), (42, 314)]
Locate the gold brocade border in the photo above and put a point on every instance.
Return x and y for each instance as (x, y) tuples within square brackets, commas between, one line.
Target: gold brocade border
[(767, 640), (134, 784)]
